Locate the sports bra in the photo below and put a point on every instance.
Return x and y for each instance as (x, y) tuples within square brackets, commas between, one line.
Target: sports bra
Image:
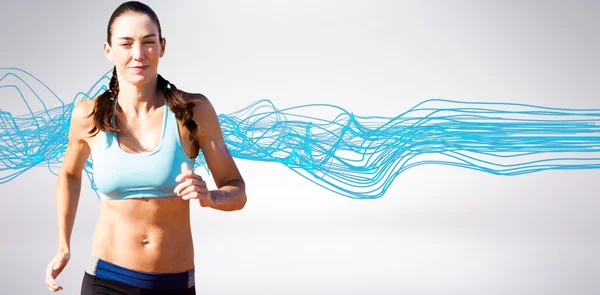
[(118, 174)]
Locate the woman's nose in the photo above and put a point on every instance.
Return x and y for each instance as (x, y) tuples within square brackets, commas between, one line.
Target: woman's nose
[(137, 52)]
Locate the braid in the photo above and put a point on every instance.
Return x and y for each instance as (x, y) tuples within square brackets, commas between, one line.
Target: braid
[(103, 108), (114, 84), (183, 109)]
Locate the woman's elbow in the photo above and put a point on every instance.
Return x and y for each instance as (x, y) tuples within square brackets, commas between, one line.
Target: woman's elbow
[(242, 202)]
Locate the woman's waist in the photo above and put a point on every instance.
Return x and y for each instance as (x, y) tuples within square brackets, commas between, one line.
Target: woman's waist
[(145, 247)]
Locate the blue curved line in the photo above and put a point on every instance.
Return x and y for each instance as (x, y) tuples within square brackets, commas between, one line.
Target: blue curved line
[(351, 155)]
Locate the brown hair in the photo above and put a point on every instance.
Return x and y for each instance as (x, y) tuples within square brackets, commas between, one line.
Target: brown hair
[(103, 108)]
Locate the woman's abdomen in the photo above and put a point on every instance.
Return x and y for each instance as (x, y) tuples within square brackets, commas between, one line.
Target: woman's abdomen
[(150, 235)]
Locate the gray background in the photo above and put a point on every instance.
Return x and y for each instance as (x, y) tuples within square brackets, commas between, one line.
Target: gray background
[(438, 230)]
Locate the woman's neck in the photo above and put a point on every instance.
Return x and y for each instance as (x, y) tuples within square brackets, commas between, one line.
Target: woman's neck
[(138, 102)]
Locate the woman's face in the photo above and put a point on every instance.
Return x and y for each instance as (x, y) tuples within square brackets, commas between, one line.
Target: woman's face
[(135, 49)]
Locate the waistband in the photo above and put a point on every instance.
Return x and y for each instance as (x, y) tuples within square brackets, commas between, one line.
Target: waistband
[(146, 280)]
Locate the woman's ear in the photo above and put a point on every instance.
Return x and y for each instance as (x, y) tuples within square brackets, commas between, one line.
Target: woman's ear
[(108, 52), (163, 45)]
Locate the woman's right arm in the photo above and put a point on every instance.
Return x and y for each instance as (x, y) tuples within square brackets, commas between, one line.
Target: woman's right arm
[(68, 188)]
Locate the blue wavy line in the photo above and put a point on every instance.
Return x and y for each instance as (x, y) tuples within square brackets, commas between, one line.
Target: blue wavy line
[(354, 156)]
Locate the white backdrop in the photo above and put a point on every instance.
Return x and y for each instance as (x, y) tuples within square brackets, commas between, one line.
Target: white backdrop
[(438, 230)]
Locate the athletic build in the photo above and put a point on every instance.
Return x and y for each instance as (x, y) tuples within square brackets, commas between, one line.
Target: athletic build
[(143, 135)]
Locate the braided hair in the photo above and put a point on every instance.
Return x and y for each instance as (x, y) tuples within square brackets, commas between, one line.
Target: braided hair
[(182, 108)]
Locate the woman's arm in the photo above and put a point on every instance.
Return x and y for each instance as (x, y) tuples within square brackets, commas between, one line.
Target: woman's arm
[(231, 192), (68, 185)]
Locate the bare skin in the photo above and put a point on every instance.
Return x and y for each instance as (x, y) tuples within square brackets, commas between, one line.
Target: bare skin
[(151, 235)]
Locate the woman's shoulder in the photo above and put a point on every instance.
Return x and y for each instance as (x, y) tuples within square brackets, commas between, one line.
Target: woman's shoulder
[(193, 96), (201, 103), (81, 117), (204, 113)]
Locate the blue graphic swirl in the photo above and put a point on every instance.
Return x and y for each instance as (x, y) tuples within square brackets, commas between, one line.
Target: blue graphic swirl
[(354, 156)]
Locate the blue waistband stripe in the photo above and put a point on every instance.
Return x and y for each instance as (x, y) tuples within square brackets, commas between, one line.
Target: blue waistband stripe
[(145, 280)]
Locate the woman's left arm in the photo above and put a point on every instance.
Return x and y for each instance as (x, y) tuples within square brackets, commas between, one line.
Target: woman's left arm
[(231, 192)]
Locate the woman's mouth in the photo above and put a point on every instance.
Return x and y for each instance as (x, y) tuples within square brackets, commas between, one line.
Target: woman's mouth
[(138, 69)]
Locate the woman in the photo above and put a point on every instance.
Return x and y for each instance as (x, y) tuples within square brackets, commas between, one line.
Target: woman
[(143, 135)]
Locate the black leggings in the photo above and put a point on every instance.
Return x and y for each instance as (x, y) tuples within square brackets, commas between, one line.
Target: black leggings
[(93, 285)]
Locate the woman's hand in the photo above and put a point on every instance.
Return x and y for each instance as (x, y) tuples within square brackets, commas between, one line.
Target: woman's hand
[(192, 187), (56, 265)]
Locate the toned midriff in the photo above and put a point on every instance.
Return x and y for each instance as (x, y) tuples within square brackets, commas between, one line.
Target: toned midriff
[(145, 234), (151, 235)]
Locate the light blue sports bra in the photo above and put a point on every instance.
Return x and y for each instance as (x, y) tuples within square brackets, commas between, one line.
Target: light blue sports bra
[(118, 174)]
